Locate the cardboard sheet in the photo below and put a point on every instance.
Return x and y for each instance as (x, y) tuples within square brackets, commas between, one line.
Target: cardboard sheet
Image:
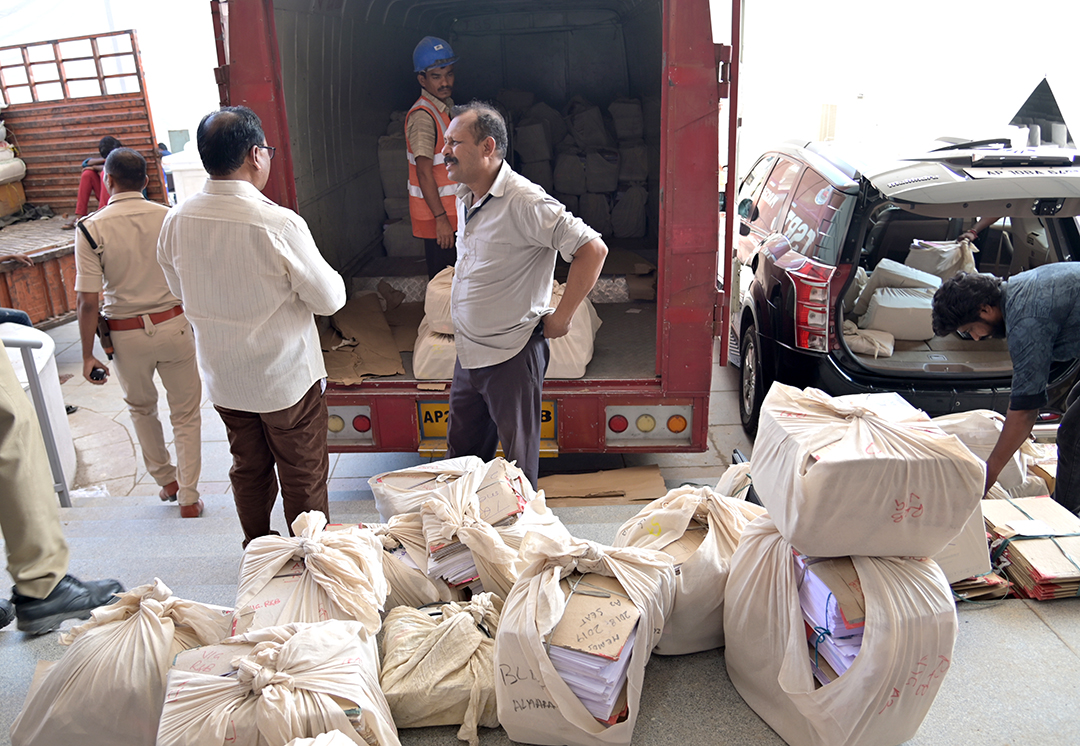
[(404, 322), (1041, 568), (375, 352), (598, 617), (613, 487)]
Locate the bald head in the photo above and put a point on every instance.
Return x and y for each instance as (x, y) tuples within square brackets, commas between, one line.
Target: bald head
[(225, 137)]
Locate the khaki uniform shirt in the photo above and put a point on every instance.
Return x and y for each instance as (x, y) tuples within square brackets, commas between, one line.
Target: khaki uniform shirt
[(124, 268)]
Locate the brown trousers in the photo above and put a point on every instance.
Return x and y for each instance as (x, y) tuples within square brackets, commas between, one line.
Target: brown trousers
[(294, 440)]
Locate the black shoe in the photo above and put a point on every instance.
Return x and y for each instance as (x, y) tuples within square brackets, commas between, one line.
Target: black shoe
[(70, 408), (70, 599), (7, 612)]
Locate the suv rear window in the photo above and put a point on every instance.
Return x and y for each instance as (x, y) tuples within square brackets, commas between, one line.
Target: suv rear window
[(773, 196), (816, 220)]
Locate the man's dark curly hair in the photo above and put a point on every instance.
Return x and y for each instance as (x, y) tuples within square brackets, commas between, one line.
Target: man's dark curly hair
[(959, 299), (107, 145)]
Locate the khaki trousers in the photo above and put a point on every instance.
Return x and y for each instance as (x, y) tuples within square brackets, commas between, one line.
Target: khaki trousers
[(37, 555), (169, 349), (293, 440)]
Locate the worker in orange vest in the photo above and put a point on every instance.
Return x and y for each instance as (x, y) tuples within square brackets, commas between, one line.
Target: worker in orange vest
[(432, 206)]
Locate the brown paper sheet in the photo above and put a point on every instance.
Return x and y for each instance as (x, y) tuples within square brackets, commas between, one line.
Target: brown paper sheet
[(404, 322), (598, 616), (613, 487), (376, 351)]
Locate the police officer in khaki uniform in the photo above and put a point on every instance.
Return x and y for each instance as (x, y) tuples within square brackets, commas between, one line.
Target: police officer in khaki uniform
[(116, 256)]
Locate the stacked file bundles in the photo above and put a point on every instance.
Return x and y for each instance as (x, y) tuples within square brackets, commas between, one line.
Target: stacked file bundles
[(536, 704), (493, 495), (834, 610), (1038, 541), (700, 530), (310, 577), (843, 476), (405, 490), (276, 684), (890, 681), (594, 666), (109, 686)]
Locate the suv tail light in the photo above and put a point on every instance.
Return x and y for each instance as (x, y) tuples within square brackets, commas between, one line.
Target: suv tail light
[(816, 288)]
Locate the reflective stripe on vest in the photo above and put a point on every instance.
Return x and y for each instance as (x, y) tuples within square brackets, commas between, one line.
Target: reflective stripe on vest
[(423, 220)]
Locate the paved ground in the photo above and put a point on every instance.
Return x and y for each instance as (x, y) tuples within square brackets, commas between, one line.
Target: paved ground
[(1016, 666)]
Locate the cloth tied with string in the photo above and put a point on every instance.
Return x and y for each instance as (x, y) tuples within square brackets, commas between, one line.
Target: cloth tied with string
[(342, 575), (696, 621), (291, 681), (535, 704), (405, 490), (439, 665), (116, 663), (840, 479), (885, 694)]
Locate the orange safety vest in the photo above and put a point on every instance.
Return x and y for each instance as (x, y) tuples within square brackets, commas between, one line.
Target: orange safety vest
[(423, 220)]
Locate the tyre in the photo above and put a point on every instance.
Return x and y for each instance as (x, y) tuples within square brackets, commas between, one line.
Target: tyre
[(751, 382)]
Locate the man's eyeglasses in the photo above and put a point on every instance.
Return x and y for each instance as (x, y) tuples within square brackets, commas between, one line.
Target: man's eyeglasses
[(270, 148)]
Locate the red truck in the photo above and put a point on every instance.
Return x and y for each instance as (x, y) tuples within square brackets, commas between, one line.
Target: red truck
[(325, 75)]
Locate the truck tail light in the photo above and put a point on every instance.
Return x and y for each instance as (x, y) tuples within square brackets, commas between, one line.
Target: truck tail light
[(676, 423), (361, 423), (618, 424)]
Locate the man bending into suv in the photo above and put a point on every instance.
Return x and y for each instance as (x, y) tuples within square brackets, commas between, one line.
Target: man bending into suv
[(1038, 311)]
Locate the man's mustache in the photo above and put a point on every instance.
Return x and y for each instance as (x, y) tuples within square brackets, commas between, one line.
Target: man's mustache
[(450, 160)]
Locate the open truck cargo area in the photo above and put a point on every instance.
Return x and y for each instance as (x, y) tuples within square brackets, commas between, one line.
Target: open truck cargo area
[(331, 80)]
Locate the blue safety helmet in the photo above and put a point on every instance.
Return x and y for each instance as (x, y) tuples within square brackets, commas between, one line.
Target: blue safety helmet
[(432, 52)]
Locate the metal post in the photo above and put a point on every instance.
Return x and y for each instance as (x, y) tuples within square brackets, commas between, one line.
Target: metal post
[(36, 393)]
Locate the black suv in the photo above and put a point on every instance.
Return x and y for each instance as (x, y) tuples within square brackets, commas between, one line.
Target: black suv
[(809, 220)]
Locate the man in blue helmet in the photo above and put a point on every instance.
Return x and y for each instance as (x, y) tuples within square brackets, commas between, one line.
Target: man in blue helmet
[(431, 193)]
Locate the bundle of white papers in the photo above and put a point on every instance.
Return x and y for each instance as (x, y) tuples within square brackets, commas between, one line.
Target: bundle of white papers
[(595, 680), (834, 639), (454, 563)]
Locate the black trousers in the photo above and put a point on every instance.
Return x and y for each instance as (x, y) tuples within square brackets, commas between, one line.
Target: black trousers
[(438, 258), (500, 403), (1067, 487)]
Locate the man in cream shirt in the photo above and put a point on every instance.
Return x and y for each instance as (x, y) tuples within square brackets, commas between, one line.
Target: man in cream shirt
[(251, 277)]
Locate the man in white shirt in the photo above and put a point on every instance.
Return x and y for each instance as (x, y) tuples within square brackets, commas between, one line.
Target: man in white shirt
[(509, 231), (251, 278), (116, 256)]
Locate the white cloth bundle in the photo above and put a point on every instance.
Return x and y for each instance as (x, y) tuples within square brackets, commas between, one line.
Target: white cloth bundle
[(439, 665), (942, 258), (868, 341), (979, 430), (532, 140), (839, 479), (633, 161), (595, 210), (586, 124), (342, 575), (109, 686), (883, 697), (905, 313), (628, 214), (437, 302), (601, 170), (540, 173), (629, 122), (890, 274), (696, 621), (535, 704), (293, 681), (456, 514), (735, 481), (569, 173), (405, 490), (409, 586), (434, 354), (333, 738), (571, 353)]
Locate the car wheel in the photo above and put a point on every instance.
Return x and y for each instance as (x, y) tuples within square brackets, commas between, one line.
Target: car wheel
[(751, 382)]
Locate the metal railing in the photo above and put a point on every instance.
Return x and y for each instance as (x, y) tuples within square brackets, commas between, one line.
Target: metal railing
[(38, 395)]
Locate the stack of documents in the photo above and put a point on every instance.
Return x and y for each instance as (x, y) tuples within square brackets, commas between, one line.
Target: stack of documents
[(1040, 540), (500, 502), (592, 644), (834, 610)]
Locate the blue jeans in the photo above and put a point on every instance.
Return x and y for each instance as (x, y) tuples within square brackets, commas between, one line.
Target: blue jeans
[(15, 316)]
